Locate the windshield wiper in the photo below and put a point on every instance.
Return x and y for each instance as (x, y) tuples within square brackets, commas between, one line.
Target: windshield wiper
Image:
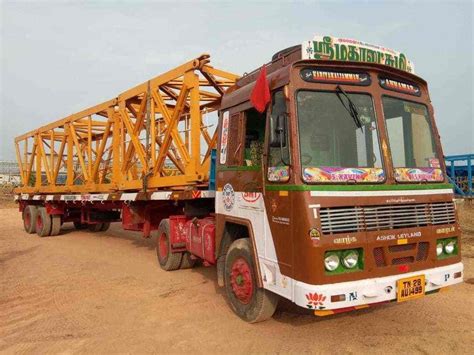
[(351, 108)]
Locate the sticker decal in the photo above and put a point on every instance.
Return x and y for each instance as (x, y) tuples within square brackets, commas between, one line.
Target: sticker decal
[(228, 197), (418, 174), (278, 173), (445, 230), (315, 236), (434, 163), (281, 220), (329, 76), (345, 240), (334, 174), (250, 196), (224, 137), (399, 86), (315, 300)]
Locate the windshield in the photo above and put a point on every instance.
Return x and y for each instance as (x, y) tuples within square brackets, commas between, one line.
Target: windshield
[(333, 148), (411, 141)]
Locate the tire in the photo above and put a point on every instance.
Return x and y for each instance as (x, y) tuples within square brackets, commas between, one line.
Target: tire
[(79, 225), (43, 222), (168, 261), (187, 262), (250, 303), (30, 214), (105, 226), (94, 228), (55, 224)]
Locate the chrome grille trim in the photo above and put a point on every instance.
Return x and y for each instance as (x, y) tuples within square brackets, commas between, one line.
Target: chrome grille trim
[(370, 218)]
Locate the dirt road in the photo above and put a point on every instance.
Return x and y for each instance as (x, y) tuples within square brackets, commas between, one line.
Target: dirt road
[(104, 293)]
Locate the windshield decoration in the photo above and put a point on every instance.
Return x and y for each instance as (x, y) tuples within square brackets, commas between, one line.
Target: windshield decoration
[(327, 76), (418, 174), (399, 86), (350, 50), (334, 174), (278, 173)]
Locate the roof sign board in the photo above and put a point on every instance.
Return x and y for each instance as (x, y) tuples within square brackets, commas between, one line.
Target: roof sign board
[(351, 50)]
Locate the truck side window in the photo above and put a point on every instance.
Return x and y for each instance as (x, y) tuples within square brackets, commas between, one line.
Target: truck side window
[(254, 137), (278, 156), (235, 139)]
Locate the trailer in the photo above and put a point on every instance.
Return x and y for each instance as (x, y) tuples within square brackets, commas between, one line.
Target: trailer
[(323, 182)]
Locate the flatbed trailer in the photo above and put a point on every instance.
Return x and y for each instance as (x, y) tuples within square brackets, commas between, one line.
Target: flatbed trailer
[(322, 183)]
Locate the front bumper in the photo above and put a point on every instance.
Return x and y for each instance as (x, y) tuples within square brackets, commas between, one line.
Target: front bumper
[(361, 293)]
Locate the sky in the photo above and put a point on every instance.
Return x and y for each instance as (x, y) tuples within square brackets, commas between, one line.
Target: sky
[(60, 57)]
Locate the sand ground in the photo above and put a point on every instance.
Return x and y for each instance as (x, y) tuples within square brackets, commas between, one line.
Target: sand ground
[(104, 293)]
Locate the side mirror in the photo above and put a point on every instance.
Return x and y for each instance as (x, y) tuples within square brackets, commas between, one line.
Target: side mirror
[(278, 129)]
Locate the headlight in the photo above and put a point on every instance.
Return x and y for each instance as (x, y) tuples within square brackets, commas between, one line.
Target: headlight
[(331, 262), (351, 259), (439, 249), (449, 247)]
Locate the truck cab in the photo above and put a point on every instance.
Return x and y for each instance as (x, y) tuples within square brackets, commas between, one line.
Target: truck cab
[(339, 183)]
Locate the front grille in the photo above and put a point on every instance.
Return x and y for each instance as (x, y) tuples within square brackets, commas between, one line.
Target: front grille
[(422, 253), (403, 260), (402, 247), (397, 254), (379, 257), (372, 218)]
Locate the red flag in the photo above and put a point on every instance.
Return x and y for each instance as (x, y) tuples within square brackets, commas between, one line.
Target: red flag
[(260, 95)]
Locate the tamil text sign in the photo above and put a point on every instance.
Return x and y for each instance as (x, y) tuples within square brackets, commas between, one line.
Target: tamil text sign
[(343, 49)]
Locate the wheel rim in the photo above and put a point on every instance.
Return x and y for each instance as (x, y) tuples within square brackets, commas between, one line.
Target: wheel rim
[(241, 280), (39, 223), (163, 246), (27, 219)]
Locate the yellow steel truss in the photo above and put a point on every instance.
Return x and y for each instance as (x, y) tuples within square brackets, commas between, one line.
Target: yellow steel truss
[(149, 137)]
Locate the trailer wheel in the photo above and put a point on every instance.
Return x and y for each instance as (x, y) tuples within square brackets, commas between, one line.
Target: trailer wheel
[(79, 225), (247, 300), (43, 222), (29, 218), (105, 226), (168, 261), (187, 262), (55, 224)]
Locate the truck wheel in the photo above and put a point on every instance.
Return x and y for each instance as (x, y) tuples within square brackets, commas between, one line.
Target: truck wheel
[(94, 228), (247, 300), (105, 226), (79, 225), (43, 222), (168, 261), (55, 224), (187, 262), (30, 214)]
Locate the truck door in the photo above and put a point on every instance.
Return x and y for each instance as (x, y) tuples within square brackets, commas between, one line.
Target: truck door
[(278, 201)]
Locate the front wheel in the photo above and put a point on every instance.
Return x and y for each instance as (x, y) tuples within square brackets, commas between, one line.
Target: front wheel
[(247, 300), (168, 260)]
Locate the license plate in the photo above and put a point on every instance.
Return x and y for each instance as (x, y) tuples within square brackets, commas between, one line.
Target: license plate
[(410, 288)]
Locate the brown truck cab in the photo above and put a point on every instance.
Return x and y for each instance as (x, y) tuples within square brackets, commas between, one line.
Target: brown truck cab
[(340, 183)]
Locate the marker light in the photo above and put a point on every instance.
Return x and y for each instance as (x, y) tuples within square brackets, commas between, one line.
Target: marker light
[(449, 247), (439, 249), (331, 262), (350, 259)]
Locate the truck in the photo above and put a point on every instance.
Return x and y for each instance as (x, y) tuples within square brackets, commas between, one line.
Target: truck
[(322, 182)]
